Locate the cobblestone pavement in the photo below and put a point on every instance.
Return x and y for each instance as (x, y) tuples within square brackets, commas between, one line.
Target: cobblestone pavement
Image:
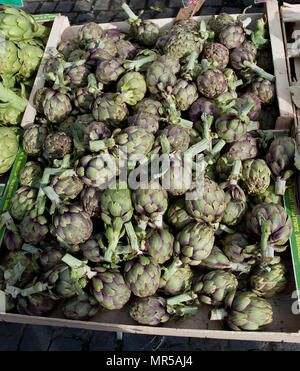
[(45, 338)]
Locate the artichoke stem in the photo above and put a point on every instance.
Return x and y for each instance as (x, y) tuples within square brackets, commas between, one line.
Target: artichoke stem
[(8, 221), (78, 267), (197, 148), (2, 302), (131, 65), (192, 61), (129, 12), (215, 151), (186, 124), (7, 95), (234, 84), (280, 186), (99, 145), (235, 172), (267, 251), (113, 235), (168, 273), (165, 144), (217, 314), (259, 71), (158, 221), (253, 125), (243, 268), (37, 287), (224, 228), (132, 237), (175, 300), (186, 311), (31, 249)]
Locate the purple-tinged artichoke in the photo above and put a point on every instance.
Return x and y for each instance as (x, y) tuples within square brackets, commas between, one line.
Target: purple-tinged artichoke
[(177, 215), (57, 106), (67, 185), (218, 22), (132, 88), (90, 200), (107, 109), (12, 241), (236, 204), (247, 313), (57, 145), (67, 46), (238, 249), (159, 244), (109, 70), (100, 50), (149, 105), (37, 304), (50, 256), (145, 120), (90, 31), (194, 243), (33, 139), (232, 36), (264, 89), (96, 171), (268, 196), (76, 76), (144, 32), (125, 49), (33, 228), (216, 288), (248, 44), (244, 149), (31, 174), (267, 283), (273, 225), (212, 83), (254, 113), (72, 225), (185, 94), (22, 202), (150, 202), (216, 53), (208, 204), (256, 176), (160, 79), (109, 288), (280, 158), (150, 311), (92, 249), (218, 260), (80, 307), (142, 275), (203, 105), (177, 139)]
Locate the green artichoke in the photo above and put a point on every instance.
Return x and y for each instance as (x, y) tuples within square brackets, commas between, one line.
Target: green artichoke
[(90, 31), (267, 283), (194, 243), (30, 56), (50, 256), (80, 307), (256, 176), (177, 215), (72, 225), (56, 106), (109, 288), (159, 244), (217, 288), (132, 87), (30, 175), (33, 139), (9, 59), (90, 200), (23, 201), (33, 228), (142, 275), (9, 148), (67, 185), (57, 145), (107, 109)]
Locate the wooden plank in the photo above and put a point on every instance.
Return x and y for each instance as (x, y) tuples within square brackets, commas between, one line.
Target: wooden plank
[(59, 24), (279, 60), (186, 13)]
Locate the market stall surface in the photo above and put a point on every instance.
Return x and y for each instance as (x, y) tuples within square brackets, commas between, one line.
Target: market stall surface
[(22, 337)]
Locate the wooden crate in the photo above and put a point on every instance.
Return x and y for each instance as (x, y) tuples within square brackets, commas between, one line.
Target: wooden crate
[(285, 326)]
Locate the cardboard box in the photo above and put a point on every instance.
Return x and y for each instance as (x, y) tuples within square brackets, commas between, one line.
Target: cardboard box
[(285, 326)]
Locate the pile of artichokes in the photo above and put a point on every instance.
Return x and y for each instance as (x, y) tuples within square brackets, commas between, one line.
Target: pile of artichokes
[(22, 43), (197, 219)]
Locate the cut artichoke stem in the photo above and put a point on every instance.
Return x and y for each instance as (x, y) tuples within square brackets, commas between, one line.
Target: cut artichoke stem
[(280, 186), (131, 65), (235, 172), (209, 159), (186, 123), (8, 96), (234, 84), (132, 238), (169, 272), (224, 228), (99, 145), (113, 234), (253, 125), (2, 302), (217, 314), (54, 197), (73, 262), (129, 12), (262, 73), (238, 267), (31, 249), (165, 144), (158, 221), (181, 298), (174, 116), (186, 311), (267, 251), (197, 148), (207, 121), (192, 60), (37, 287)]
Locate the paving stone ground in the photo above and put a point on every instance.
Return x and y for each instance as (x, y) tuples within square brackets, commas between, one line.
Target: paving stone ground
[(19, 337)]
